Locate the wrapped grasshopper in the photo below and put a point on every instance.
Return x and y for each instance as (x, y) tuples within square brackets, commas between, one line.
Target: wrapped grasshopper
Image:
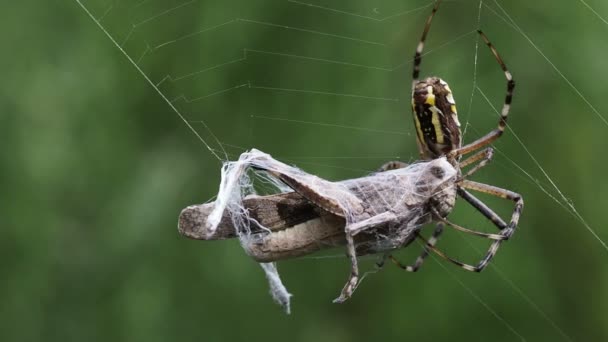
[(373, 214)]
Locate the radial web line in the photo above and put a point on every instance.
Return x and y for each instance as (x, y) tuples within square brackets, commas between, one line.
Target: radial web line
[(122, 50), (561, 74), (468, 116), (477, 298), (594, 11), (565, 200), (519, 291)]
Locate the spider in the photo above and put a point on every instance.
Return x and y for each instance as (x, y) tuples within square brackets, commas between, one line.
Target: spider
[(382, 200), (438, 135)]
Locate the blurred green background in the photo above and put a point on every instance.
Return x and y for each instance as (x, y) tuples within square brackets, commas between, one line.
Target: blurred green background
[(96, 166)]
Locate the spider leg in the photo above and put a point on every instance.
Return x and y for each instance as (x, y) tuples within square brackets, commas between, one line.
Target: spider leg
[(502, 193), (482, 208), (425, 252), (479, 267), (420, 47), (502, 123), (505, 233), (469, 231), (484, 155)]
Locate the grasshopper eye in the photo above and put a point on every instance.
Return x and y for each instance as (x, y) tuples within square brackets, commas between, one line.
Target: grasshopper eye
[(437, 172)]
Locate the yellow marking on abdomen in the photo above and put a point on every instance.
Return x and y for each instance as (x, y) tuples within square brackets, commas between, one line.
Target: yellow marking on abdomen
[(419, 131), (430, 97), (437, 124)]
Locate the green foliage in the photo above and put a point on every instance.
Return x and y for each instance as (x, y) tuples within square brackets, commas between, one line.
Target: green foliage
[(96, 167)]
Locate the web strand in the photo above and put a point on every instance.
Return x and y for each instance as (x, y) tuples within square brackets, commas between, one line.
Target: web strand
[(479, 299), (557, 70), (469, 109), (594, 11), (564, 200), (141, 72), (520, 292)]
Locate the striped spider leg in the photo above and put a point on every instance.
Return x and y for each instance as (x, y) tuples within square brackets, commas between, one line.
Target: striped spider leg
[(438, 134)]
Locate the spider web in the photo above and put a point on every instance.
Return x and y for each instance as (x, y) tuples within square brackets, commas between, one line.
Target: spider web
[(281, 74)]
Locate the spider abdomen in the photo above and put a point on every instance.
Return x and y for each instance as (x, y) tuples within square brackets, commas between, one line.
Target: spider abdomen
[(435, 117)]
